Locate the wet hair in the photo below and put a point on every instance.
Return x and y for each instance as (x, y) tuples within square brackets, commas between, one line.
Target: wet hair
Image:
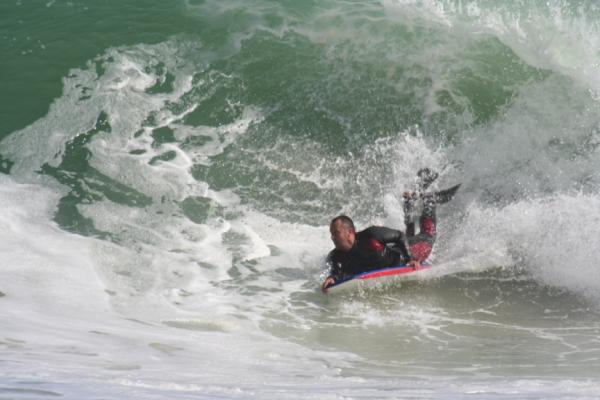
[(346, 221)]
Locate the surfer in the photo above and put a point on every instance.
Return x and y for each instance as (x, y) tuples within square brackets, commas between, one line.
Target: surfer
[(381, 247)]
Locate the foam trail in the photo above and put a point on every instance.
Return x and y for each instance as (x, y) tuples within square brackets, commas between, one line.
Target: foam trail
[(123, 84)]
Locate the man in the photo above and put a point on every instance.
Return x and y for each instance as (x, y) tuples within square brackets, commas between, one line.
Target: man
[(381, 247)]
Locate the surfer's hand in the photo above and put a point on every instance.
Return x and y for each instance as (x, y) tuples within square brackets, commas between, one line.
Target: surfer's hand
[(326, 283), (414, 264)]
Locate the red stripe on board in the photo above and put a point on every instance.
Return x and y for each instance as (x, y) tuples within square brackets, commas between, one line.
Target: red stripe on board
[(393, 271)]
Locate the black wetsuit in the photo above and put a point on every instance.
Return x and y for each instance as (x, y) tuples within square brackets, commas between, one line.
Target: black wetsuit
[(375, 247)]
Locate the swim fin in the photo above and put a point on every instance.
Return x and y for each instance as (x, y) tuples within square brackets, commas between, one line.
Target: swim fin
[(444, 196)]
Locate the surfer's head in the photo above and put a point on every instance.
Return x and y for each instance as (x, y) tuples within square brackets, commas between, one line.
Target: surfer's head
[(343, 233)]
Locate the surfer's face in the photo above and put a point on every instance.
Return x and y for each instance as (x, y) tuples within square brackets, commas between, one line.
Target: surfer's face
[(342, 236)]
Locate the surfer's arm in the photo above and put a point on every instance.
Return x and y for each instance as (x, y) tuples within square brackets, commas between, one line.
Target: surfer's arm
[(393, 237), (334, 264), (335, 271), (326, 283), (386, 235)]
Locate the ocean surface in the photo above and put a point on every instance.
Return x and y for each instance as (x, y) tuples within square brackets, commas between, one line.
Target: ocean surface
[(168, 171)]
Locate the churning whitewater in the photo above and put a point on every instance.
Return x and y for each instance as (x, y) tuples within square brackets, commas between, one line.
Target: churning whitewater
[(167, 181)]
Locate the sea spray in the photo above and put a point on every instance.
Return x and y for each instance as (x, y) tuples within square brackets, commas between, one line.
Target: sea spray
[(184, 181)]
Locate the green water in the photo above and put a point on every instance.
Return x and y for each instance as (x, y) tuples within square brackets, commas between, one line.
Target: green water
[(43, 40), (179, 161)]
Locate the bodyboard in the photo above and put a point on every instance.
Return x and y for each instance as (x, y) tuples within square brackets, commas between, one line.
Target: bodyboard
[(379, 277)]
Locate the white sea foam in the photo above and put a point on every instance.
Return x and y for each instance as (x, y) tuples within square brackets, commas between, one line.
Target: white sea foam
[(44, 273), (553, 236), (86, 95), (37, 254), (218, 304)]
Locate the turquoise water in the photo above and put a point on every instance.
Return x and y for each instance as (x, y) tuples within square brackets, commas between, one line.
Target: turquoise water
[(168, 171)]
